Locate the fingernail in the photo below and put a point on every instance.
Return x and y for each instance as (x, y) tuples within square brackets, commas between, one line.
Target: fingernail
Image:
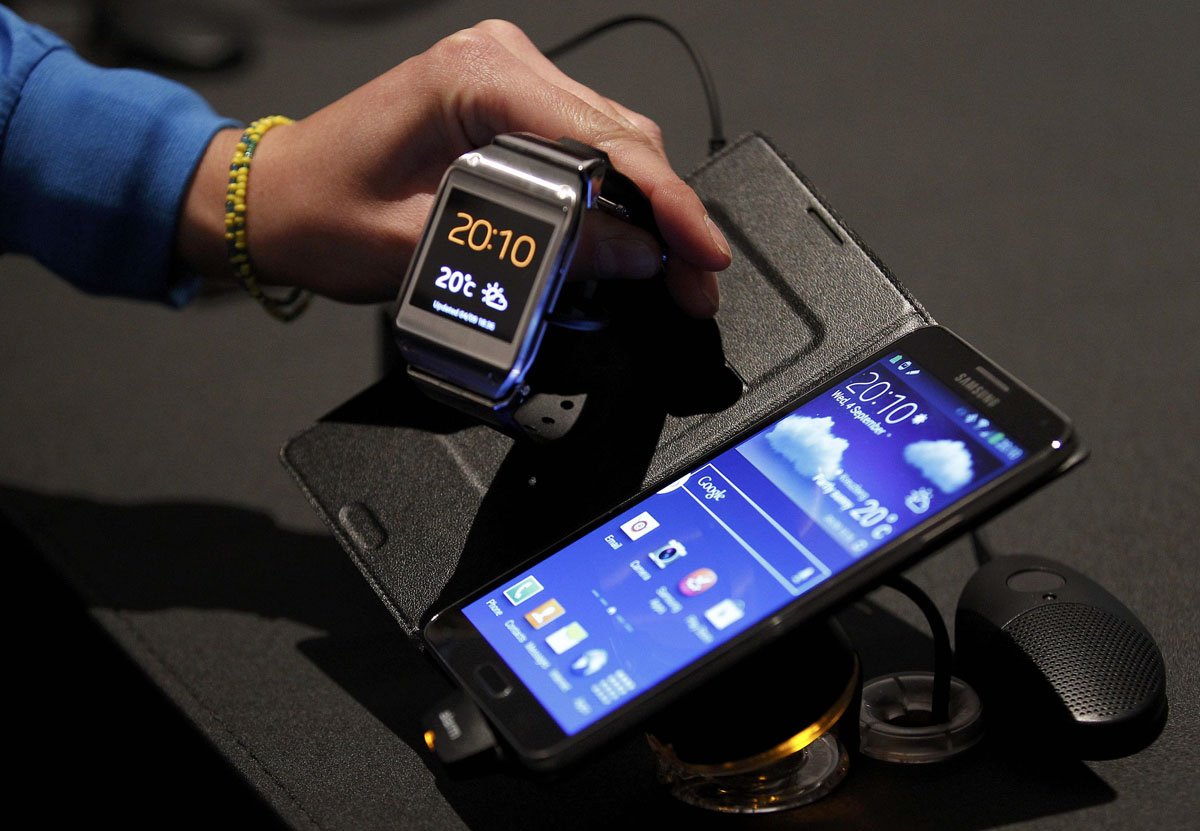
[(717, 237), (626, 258)]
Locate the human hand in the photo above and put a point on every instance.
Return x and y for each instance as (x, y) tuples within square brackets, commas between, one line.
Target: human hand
[(337, 201)]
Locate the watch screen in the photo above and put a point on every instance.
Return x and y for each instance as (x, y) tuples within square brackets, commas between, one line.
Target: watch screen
[(653, 589), (481, 264)]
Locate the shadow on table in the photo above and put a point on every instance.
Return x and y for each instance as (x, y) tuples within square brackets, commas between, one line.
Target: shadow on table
[(163, 556)]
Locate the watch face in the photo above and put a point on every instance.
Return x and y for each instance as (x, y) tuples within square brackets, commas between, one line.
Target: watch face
[(481, 263)]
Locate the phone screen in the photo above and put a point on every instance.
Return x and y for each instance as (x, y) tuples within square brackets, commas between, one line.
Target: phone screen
[(659, 585)]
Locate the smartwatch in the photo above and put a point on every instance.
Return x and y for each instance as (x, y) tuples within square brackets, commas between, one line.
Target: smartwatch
[(482, 285)]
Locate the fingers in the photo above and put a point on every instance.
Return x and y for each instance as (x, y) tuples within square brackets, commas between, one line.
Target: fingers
[(502, 84), (519, 44), (693, 289), (610, 248)]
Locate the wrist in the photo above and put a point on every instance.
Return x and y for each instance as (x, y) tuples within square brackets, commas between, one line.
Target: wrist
[(200, 237)]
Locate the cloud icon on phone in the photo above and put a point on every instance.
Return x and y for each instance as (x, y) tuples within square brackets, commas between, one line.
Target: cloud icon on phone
[(809, 444), (945, 462)]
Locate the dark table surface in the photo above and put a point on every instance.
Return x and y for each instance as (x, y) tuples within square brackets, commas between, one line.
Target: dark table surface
[(1030, 171)]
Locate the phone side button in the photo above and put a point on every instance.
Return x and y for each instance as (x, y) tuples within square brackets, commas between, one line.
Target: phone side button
[(493, 681)]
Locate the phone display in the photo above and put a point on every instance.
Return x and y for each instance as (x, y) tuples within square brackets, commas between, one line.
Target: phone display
[(813, 496)]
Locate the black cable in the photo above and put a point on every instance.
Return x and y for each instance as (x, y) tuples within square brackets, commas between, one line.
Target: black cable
[(983, 551), (717, 138), (942, 656)]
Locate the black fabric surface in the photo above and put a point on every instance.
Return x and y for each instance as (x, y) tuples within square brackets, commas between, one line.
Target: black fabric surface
[(1028, 170)]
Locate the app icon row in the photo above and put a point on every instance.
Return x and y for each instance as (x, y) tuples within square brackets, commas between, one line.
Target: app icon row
[(561, 640), (721, 615)]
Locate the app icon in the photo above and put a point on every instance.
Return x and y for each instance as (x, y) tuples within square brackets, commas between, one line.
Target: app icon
[(614, 686), (726, 612), (565, 638), (639, 526), (700, 580), (522, 591), (543, 614), (668, 554), (590, 662)]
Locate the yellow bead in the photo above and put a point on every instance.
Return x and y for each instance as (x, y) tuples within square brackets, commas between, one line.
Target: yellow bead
[(235, 201)]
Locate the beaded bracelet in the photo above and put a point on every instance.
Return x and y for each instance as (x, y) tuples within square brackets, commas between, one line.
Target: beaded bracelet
[(296, 301)]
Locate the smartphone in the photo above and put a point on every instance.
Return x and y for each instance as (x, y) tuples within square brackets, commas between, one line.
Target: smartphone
[(800, 513)]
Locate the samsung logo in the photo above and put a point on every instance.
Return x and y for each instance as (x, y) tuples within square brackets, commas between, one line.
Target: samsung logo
[(988, 398)]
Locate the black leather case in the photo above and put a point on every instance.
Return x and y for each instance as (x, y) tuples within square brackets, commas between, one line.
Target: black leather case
[(430, 506)]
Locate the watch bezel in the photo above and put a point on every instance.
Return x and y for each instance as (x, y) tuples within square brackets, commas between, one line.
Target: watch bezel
[(477, 361)]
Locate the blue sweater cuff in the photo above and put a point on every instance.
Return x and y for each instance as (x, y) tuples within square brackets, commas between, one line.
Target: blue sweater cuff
[(99, 161)]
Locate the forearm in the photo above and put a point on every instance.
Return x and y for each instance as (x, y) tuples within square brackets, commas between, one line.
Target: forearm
[(94, 166)]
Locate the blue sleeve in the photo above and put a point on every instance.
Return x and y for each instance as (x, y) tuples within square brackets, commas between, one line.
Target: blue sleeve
[(94, 165)]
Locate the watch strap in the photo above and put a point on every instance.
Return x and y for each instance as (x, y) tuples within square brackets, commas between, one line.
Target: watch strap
[(617, 194), (541, 416)]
